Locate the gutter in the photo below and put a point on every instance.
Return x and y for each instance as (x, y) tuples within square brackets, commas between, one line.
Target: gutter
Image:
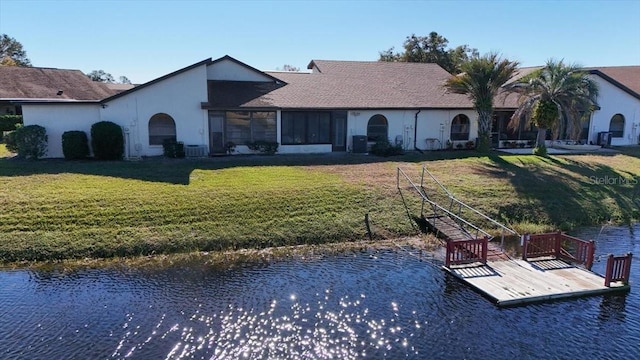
[(415, 132)]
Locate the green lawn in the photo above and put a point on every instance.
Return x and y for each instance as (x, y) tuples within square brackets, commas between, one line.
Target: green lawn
[(55, 209)]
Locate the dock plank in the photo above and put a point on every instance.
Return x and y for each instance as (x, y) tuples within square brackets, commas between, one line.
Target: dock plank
[(515, 282)]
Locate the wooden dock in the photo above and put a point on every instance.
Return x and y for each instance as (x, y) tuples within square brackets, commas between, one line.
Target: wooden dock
[(518, 282), (553, 265)]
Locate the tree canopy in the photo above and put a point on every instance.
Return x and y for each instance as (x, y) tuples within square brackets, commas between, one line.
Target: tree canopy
[(101, 76), (557, 97), (431, 49), (12, 53), (481, 80)]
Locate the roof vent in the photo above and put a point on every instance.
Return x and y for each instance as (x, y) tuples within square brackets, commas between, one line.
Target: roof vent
[(59, 92)]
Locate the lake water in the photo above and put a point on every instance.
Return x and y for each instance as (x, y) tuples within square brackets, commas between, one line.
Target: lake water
[(391, 304)]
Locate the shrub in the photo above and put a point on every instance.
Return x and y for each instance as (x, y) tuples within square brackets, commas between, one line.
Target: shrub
[(75, 145), (264, 147), (173, 149), (383, 147), (10, 142), (9, 122), (540, 151), (30, 142), (107, 140)]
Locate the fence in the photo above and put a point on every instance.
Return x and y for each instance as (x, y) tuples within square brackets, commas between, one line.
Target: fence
[(560, 246), (618, 269), (467, 251)]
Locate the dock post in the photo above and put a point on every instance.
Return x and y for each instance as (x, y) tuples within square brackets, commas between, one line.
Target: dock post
[(627, 268), (609, 271)]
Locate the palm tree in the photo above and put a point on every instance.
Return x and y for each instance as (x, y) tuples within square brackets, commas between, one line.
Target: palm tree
[(551, 94), (481, 79)]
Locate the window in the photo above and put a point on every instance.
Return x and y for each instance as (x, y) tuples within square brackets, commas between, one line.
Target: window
[(306, 127), (460, 127), (616, 126), (243, 127), (377, 128), (161, 128)]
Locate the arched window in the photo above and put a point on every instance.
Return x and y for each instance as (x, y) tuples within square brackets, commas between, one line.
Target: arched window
[(161, 128), (377, 128), (460, 127), (616, 126)]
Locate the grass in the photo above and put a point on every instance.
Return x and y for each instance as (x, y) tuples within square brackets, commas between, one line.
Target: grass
[(55, 209)]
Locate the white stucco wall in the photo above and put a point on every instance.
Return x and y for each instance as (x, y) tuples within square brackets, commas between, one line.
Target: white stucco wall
[(432, 124), (612, 100), (230, 70), (179, 96), (58, 118)]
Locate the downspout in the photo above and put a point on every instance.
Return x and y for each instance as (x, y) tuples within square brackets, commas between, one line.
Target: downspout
[(415, 132)]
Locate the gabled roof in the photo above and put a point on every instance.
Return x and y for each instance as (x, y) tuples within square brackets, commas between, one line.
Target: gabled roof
[(251, 68), (359, 85), (23, 83), (627, 78), (162, 78)]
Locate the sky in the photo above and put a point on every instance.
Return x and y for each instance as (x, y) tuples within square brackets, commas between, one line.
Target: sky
[(143, 40)]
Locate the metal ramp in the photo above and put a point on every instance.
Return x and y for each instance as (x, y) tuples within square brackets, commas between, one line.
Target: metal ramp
[(452, 219)]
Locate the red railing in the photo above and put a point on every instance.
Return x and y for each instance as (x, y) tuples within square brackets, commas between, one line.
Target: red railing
[(467, 251), (618, 269), (560, 246)]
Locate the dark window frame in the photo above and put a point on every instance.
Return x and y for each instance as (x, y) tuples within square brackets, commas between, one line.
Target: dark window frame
[(621, 122), (373, 129), (298, 126), (154, 122), (459, 124), (268, 131)]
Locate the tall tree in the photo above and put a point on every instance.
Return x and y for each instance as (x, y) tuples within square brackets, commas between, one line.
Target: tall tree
[(431, 49), (100, 76), (12, 53), (481, 80), (551, 94)]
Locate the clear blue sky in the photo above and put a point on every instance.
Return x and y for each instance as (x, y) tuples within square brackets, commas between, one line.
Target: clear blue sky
[(147, 39)]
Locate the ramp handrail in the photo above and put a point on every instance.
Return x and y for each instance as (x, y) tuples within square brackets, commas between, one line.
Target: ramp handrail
[(459, 202), (436, 205)]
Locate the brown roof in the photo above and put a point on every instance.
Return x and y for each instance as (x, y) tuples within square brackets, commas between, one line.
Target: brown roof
[(625, 77), (45, 83), (348, 85)]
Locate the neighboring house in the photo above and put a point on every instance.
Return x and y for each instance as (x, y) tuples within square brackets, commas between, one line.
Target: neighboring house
[(618, 111), (47, 84), (338, 106)]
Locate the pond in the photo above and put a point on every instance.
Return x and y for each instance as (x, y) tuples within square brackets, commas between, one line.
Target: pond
[(362, 304)]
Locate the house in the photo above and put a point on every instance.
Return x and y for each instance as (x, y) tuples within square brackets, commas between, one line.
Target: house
[(618, 111), (337, 106), (48, 84)]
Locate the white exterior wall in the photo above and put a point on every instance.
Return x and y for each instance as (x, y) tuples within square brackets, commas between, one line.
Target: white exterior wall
[(230, 70), (179, 96), (612, 100), (434, 125), (57, 119)]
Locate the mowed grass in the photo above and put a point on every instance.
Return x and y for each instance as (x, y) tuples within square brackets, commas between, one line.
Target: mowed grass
[(55, 209)]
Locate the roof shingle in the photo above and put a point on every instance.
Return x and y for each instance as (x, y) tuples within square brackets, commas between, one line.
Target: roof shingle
[(45, 83)]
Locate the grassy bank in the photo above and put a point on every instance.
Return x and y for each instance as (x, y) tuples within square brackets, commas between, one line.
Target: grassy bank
[(55, 209)]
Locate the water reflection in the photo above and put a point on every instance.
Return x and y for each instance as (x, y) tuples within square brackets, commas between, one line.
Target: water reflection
[(363, 304)]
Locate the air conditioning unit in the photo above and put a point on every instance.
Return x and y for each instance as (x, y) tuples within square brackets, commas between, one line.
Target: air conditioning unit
[(195, 151)]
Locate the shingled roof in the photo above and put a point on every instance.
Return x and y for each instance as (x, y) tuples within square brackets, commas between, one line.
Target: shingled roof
[(45, 83), (348, 85), (625, 77)]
